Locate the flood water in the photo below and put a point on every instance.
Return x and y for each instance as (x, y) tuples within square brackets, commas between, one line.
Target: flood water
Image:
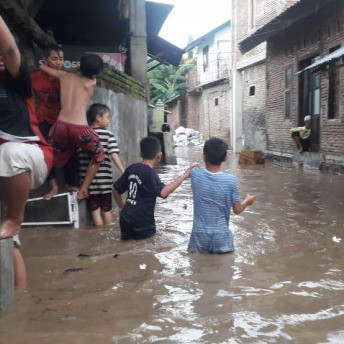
[(284, 282)]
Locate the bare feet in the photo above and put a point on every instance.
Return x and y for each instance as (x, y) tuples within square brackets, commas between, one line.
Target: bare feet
[(51, 194), (8, 228), (71, 188), (82, 194)]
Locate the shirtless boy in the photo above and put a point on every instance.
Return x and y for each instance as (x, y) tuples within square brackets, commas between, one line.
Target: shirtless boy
[(71, 128)]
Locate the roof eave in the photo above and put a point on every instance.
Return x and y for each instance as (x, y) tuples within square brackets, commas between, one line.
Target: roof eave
[(286, 19), (199, 40)]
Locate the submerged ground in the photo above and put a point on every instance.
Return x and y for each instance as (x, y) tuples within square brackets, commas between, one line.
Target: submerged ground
[(284, 283)]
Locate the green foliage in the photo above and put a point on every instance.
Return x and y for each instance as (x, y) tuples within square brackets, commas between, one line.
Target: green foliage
[(167, 81)]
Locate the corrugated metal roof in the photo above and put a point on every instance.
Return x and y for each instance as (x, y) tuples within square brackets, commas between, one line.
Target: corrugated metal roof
[(336, 55)]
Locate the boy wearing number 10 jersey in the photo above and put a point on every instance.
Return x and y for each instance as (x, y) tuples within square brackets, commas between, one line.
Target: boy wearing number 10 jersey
[(143, 186)]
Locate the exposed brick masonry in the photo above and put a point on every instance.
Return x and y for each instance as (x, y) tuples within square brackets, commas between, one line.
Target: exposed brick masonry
[(313, 36)]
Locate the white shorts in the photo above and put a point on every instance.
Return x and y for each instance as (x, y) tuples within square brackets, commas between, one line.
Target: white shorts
[(16, 241), (17, 157)]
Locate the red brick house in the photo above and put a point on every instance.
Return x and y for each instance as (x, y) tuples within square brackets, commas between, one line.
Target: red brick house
[(248, 87), (305, 76)]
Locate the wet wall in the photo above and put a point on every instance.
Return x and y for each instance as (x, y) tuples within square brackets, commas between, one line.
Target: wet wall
[(128, 121)]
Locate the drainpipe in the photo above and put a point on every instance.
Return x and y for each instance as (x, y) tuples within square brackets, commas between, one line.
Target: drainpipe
[(236, 115), (232, 84)]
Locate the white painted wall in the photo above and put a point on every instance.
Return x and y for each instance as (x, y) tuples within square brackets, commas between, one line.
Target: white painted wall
[(219, 56)]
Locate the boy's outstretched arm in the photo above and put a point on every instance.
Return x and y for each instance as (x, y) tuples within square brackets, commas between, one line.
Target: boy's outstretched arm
[(118, 199), (117, 162), (239, 207), (171, 187), (9, 50), (51, 71)]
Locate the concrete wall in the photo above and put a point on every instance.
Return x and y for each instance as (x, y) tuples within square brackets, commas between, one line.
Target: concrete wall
[(173, 118), (128, 121), (219, 56), (254, 108), (311, 37)]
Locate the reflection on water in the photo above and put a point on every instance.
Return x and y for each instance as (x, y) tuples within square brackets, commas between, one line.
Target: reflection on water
[(284, 283)]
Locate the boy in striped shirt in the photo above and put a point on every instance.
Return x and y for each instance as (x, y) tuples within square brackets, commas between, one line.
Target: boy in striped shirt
[(99, 200), (214, 193)]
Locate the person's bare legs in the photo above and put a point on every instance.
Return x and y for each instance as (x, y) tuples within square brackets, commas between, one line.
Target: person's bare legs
[(107, 217), (15, 192), (297, 141), (90, 173), (97, 217), (54, 190), (20, 279)]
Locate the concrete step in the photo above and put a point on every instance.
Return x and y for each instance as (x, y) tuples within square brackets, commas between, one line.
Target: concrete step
[(308, 159)]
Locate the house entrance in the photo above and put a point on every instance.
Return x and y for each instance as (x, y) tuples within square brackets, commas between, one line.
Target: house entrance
[(309, 100)]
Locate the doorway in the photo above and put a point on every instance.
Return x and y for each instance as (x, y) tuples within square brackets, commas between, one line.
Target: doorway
[(310, 100)]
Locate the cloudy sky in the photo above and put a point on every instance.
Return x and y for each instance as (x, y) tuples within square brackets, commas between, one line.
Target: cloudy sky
[(193, 17)]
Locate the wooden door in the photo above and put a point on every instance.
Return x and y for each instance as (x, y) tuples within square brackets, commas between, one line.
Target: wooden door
[(310, 101)]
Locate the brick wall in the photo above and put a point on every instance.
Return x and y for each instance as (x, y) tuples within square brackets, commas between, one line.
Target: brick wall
[(313, 36), (215, 120), (198, 110), (194, 111), (265, 11), (253, 113)]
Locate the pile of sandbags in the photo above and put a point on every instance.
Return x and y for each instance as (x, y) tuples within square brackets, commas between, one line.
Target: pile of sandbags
[(187, 136)]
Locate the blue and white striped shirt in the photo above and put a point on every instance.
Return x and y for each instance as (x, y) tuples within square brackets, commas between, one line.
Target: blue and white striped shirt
[(214, 195)]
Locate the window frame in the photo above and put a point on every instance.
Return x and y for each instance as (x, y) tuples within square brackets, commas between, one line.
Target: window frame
[(335, 73), (288, 86), (252, 87), (205, 54)]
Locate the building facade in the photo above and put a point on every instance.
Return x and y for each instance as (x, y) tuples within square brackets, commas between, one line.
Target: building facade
[(205, 105), (304, 73), (248, 97)]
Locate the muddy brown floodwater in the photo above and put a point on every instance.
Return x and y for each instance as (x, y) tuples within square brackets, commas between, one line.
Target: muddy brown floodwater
[(284, 283)]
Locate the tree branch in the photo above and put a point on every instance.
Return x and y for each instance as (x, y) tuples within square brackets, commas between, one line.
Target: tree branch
[(23, 23)]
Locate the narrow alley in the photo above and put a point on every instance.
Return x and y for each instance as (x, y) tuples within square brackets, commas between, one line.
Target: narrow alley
[(283, 283)]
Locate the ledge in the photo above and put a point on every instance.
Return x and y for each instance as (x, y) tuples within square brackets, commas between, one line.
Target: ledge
[(322, 162), (120, 82)]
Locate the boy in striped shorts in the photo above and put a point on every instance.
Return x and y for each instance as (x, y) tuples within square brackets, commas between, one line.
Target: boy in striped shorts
[(100, 190), (214, 193)]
